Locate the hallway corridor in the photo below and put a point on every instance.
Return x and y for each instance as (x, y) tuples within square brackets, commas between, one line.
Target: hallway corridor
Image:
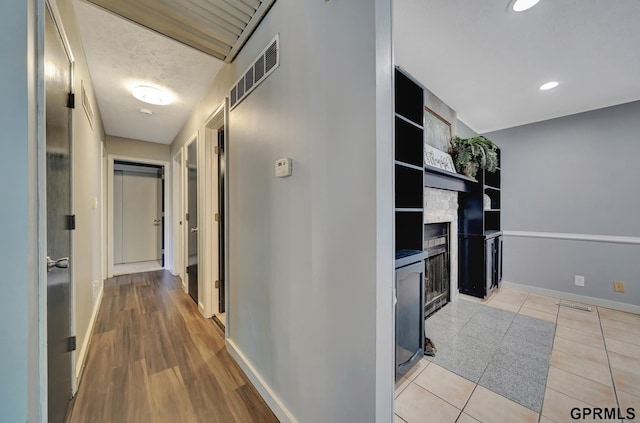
[(153, 358)]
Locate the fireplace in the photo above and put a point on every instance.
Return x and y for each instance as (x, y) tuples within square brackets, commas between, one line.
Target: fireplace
[(437, 281)]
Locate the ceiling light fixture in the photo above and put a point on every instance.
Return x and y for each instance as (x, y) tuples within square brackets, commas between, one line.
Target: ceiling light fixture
[(522, 5), (549, 85), (152, 95)]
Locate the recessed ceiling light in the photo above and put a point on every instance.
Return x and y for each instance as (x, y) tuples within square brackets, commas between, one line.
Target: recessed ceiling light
[(152, 95), (522, 5), (549, 85)]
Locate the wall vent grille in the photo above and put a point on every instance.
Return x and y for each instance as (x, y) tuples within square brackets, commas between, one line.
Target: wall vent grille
[(267, 62)]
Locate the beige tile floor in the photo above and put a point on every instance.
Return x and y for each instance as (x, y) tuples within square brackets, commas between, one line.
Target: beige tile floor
[(595, 362)]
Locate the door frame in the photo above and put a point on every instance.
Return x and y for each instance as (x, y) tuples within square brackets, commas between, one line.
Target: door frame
[(217, 119), (185, 207), (111, 158), (42, 366), (177, 217)]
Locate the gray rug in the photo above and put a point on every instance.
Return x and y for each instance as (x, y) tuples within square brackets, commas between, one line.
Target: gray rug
[(506, 353)]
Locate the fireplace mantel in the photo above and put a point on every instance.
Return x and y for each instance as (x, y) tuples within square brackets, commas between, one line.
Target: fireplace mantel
[(442, 179)]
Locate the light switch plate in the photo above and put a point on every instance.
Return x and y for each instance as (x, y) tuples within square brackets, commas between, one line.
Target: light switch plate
[(283, 167), (579, 280)]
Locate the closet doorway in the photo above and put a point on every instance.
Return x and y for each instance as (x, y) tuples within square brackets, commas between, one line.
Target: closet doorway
[(137, 216)]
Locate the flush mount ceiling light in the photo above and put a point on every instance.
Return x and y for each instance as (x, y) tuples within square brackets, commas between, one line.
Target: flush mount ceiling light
[(549, 85), (522, 5), (152, 95)]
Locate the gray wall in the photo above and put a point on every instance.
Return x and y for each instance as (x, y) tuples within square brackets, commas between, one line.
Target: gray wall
[(578, 174), (311, 274), (18, 218)]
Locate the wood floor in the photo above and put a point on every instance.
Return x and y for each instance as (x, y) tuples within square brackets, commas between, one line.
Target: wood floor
[(153, 358)]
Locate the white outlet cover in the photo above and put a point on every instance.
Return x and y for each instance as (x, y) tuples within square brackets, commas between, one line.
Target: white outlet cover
[(283, 167), (579, 280)]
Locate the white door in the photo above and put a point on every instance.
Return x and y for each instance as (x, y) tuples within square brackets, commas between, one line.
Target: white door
[(137, 217)]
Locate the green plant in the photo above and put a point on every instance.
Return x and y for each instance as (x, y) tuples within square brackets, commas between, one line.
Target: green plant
[(470, 154)]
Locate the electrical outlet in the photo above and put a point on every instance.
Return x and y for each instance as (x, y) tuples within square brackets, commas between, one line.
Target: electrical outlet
[(618, 286), (579, 280)]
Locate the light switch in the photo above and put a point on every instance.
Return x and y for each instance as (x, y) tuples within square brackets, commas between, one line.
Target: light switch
[(283, 167)]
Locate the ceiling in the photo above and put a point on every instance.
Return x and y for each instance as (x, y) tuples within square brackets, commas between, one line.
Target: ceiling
[(216, 27), (121, 55), (487, 62)]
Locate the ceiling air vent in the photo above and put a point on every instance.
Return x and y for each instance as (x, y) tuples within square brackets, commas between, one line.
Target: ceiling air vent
[(267, 62)]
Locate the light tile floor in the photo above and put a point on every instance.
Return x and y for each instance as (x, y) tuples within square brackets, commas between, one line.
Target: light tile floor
[(594, 362)]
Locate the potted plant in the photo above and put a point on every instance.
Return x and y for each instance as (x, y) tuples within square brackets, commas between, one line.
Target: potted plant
[(470, 154)]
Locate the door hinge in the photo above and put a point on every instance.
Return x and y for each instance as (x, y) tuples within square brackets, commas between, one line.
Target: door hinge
[(71, 343), (217, 284), (71, 222), (187, 217), (216, 217), (71, 101), (217, 150)]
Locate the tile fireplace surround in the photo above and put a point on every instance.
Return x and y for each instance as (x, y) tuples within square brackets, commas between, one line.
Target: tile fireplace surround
[(441, 206)]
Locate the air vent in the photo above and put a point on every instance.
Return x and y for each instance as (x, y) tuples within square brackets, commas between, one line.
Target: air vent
[(267, 62), (258, 68), (271, 56), (234, 96)]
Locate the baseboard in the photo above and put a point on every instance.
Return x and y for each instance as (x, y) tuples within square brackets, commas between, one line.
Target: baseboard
[(82, 354), (614, 305), (275, 404)]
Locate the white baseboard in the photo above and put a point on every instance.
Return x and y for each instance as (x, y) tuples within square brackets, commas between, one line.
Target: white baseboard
[(275, 404), (614, 305), (82, 354)]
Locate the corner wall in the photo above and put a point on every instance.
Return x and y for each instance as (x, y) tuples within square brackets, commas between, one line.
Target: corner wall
[(573, 175), (311, 256), (19, 304)]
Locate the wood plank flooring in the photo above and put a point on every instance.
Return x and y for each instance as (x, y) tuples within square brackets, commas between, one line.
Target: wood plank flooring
[(153, 358)]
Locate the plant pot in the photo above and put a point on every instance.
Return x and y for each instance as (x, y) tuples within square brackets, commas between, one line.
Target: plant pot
[(470, 169)]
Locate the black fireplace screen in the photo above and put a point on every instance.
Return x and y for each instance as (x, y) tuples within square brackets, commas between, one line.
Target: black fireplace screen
[(436, 283)]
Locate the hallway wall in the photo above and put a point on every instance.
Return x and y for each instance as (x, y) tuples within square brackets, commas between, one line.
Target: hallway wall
[(311, 257), (135, 148), (86, 192)]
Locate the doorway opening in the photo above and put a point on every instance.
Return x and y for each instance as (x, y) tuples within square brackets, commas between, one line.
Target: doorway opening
[(216, 174), (137, 209), (138, 204)]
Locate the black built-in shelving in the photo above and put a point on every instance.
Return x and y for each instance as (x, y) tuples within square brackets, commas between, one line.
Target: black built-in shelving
[(480, 235)]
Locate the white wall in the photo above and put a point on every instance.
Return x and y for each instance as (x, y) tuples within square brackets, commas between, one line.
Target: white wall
[(135, 148), (18, 212), (312, 255)]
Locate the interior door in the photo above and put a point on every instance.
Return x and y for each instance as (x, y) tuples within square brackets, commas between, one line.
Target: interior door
[(58, 180), (141, 216), (221, 220), (192, 219)]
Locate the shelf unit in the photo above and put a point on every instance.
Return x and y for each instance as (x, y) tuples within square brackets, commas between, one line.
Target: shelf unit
[(480, 235), (409, 218), (409, 162)]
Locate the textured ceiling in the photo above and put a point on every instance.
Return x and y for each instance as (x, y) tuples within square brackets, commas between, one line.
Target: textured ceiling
[(487, 62), (216, 27), (122, 55)]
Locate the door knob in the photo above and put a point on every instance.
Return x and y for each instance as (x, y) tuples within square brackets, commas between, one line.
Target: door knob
[(194, 230), (61, 263)]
